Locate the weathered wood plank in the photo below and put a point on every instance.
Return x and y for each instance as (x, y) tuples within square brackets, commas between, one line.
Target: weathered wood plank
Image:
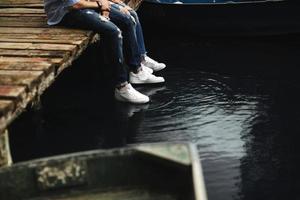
[(37, 46), (25, 38), (25, 60), (47, 67), (23, 22), (21, 3), (34, 5), (34, 53), (12, 92), (21, 15), (46, 36), (29, 79), (29, 60), (21, 11), (19, 98), (34, 84), (49, 30), (5, 156), (7, 60), (5, 107)]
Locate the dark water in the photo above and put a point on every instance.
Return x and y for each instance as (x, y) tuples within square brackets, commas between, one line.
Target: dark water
[(203, 1), (236, 98)]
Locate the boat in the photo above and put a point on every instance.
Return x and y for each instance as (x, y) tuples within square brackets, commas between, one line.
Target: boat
[(222, 17), (161, 171)]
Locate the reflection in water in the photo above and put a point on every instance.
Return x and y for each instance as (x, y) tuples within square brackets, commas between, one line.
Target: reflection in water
[(245, 127)]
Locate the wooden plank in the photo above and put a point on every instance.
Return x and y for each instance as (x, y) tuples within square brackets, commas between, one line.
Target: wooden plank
[(7, 110), (37, 46), (34, 53), (49, 30), (46, 36), (23, 22), (12, 92), (29, 60), (38, 66), (5, 107), (5, 156), (47, 65), (40, 38), (21, 11), (21, 15), (23, 60), (20, 3), (29, 79)]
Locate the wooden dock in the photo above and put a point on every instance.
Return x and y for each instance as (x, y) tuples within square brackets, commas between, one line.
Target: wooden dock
[(32, 55)]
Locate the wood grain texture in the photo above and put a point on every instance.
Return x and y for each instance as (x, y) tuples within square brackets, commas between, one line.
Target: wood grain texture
[(23, 22), (56, 30), (11, 92)]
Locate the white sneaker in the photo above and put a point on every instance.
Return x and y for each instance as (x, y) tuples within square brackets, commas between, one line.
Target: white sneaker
[(129, 94), (156, 66), (143, 77), (149, 70)]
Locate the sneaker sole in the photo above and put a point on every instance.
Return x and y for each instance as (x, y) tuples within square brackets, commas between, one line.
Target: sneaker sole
[(156, 70), (146, 83), (122, 99)]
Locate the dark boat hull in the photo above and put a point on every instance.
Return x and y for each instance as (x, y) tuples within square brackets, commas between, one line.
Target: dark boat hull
[(149, 171), (244, 18)]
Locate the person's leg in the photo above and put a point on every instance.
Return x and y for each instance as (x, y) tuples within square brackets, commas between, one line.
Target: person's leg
[(90, 20), (111, 34), (127, 26), (139, 34), (138, 74), (146, 60)]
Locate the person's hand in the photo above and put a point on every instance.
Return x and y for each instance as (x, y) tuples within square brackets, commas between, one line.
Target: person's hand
[(105, 14), (105, 5), (117, 1)]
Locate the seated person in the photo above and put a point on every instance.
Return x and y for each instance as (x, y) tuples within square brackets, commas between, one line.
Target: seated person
[(130, 13), (94, 16)]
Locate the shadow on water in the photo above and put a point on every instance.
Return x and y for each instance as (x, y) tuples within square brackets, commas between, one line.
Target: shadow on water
[(236, 98)]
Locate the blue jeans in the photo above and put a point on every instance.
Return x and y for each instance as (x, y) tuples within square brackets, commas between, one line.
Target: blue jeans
[(138, 28), (88, 19), (139, 33), (128, 28)]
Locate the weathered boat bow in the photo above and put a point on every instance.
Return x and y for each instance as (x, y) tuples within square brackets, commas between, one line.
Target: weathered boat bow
[(149, 171)]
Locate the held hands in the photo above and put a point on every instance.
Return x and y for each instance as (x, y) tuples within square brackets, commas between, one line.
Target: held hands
[(105, 14), (117, 1), (105, 7), (123, 7)]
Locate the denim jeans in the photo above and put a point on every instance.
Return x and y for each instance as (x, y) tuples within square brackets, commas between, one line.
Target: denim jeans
[(139, 33), (128, 28), (111, 36)]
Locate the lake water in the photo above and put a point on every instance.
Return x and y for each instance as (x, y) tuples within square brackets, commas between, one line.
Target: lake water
[(235, 98)]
